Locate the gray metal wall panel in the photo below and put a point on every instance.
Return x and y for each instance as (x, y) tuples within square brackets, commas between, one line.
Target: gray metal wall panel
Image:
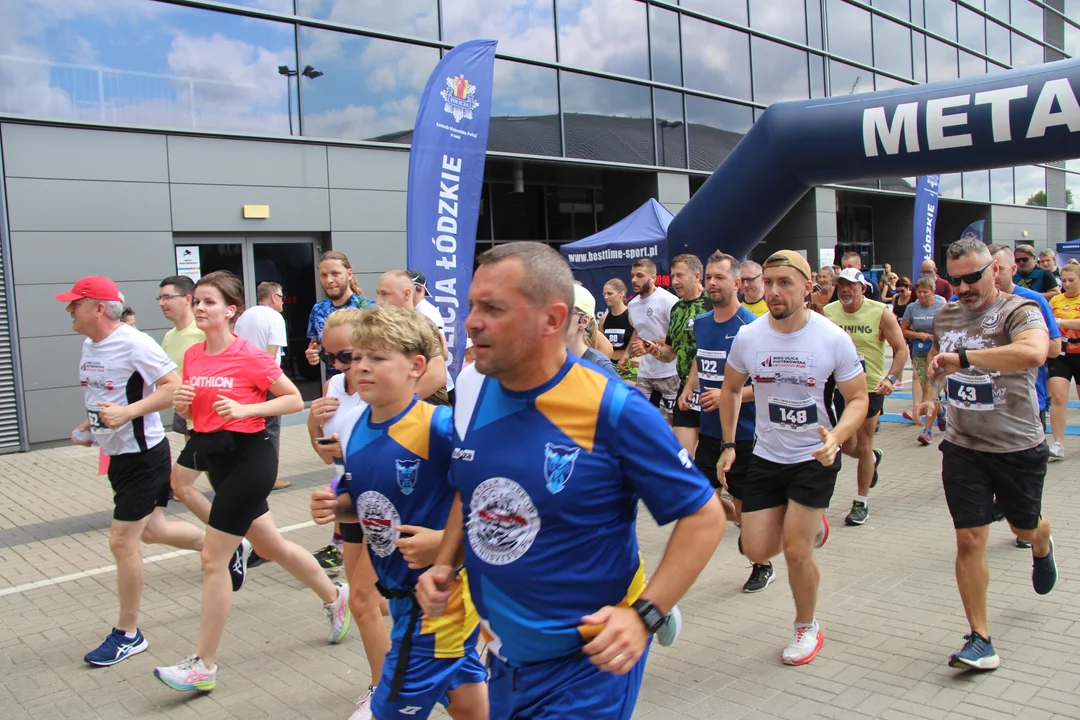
[(35, 151), (59, 257), (367, 169), (41, 315), (372, 252), (367, 280), (219, 208), (672, 189), (241, 162), (78, 205), (53, 414), (367, 210), (51, 362), (12, 418)]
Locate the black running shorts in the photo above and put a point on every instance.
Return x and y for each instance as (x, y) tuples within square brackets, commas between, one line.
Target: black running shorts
[(1065, 366), (877, 404), (140, 482), (242, 479), (352, 532), (708, 455), (769, 484), (972, 480)]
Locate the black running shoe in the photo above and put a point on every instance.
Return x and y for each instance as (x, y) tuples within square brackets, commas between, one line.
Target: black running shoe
[(329, 559), (877, 461), (1023, 544), (1044, 572), (859, 514), (760, 577)]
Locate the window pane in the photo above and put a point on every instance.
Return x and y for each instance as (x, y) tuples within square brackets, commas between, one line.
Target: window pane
[(892, 47), (730, 10), (997, 43), (518, 216), (670, 128), (999, 9), (817, 76), (1001, 185), (941, 62), (918, 56), (408, 17), (849, 80), (1027, 17), (715, 128), (279, 6), (665, 48), (780, 72), (145, 64), (522, 27), (607, 35), (884, 82), (941, 17), (899, 8), (977, 185), (849, 31), (1025, 52), (525, 110), (1030, 185), (1072, 41), (814, 32), (720, 59), (370, 89), (971, 65), (607, 119), (571, 212), (951, 186), (783, 18), (972, 28)]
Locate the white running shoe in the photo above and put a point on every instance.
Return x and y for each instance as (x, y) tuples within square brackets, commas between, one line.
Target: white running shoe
[(804, 645), (338, 614), (363, 705), (1057, 451), (190, 674), (669, 631)]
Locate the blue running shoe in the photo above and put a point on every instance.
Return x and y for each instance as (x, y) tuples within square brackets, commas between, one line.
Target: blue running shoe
[(977, 654), (1044, 571), (116, 647), (238, 565)]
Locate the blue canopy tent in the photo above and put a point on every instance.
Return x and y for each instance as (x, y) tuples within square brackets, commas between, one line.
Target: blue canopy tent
[(1066, 251), (610, 253)]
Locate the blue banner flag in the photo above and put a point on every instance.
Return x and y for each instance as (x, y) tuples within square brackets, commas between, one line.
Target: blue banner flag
[(974, 230), (446, 173), (926, 202)]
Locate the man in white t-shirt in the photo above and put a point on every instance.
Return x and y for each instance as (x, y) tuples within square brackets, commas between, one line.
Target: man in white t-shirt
[(421, 304), (264, 327), (789, 354), (650, 312), (126, 379)]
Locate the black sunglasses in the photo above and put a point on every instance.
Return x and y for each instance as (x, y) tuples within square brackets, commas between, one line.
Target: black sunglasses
[(971, 278), (344, 357)]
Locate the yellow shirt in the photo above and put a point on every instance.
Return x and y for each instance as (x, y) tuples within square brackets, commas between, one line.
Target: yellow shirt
[(759, 308), (176, 343), (1067, 308)]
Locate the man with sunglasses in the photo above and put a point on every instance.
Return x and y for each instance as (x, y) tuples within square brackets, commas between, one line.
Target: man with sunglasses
[(987, 348), (264, 327), (1030, 275)]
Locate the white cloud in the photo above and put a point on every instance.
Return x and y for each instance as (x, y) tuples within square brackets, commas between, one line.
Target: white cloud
[(245, 76)]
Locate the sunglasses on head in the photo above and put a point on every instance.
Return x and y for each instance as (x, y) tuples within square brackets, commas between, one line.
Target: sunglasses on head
[(971, 278), (344, 357)]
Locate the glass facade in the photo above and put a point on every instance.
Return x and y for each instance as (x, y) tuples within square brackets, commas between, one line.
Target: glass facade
[(657, 83)]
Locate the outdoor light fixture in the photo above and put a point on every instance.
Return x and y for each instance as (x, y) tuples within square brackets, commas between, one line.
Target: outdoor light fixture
[(308, 72)]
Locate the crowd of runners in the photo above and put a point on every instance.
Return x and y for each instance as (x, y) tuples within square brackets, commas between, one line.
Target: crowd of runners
[(493, 514)]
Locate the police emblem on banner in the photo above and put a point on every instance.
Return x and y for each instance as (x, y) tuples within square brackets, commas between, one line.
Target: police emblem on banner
[(459, 97)]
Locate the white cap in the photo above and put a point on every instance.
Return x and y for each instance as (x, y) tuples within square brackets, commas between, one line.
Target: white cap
[(853, 276)]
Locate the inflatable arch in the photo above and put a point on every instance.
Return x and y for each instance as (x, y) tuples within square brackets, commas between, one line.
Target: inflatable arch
[(1018, 117)]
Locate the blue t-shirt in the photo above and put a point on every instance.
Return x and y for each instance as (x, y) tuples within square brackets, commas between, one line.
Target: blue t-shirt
[(322, 310), (713, 345), (1038, 280), (396, 474), (601, 362), (1042, 378), (550, 480)]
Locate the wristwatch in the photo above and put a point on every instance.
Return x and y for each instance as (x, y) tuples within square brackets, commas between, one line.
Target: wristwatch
[(649, 614), (727, 446), (964, 362), (894, 380)]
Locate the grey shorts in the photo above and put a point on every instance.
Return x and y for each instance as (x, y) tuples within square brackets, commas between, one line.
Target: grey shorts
[(662, 392)]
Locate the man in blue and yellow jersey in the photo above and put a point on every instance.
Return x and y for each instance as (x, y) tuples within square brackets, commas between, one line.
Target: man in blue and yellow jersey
[(397, 457), (550, 460)]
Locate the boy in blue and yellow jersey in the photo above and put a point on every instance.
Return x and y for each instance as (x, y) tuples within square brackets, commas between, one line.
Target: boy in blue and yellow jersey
[(551, 458), (395, 485)]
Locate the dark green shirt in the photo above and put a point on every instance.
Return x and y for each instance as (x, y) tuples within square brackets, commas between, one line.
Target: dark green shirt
[(680, 335)]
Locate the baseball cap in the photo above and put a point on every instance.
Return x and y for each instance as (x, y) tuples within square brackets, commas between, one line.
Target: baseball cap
[(789, 258), (96, 287), (584, 302), (852, 276), (419, 278)]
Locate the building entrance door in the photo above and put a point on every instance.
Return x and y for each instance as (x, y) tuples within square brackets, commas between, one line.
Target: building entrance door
[(289, 261)]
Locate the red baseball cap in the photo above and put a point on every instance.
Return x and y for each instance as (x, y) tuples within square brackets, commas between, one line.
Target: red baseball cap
[(95, 286)]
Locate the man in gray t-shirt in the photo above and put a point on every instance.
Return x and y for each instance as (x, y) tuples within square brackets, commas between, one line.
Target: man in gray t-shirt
[(987, 348)]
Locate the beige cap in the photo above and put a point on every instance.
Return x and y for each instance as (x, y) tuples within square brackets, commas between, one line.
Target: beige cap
[(789, 258)]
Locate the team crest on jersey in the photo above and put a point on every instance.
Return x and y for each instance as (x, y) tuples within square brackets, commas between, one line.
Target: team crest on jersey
[(380, 520), (503, 521), (558, 465), (407, 471)]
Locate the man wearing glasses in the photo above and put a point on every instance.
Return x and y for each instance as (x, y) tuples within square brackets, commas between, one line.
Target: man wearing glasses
[(1031, 276), (264, 327), (752, 288), (987, 348)]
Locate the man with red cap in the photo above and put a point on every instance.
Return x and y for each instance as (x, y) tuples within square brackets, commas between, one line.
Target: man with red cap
[(126, 379)]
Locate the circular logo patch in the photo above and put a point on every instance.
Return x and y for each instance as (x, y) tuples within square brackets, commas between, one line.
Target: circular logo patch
[(503, 521), (378, 517)]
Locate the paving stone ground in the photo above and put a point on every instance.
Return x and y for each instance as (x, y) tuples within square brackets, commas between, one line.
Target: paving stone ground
[(888, 605)]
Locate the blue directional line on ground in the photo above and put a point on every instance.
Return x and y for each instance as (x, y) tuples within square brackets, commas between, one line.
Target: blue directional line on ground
[(1073, 404)]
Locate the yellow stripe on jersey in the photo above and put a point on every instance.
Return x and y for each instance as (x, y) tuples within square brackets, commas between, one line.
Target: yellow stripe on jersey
[(569, 405), (454, 627), (637, 586), (413, 432)]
